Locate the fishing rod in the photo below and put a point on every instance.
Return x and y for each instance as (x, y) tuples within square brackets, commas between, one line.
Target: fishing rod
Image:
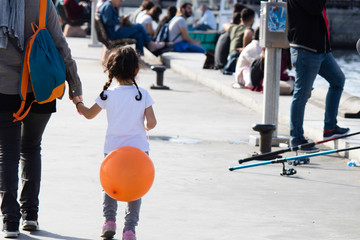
[(265, 156), (283, 160)]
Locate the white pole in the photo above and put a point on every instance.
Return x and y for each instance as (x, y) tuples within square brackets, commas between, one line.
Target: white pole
[(94, 41), (271, 86)]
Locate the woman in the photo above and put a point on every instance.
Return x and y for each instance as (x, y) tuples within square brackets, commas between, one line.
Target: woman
[(21, 140), (148, 17)]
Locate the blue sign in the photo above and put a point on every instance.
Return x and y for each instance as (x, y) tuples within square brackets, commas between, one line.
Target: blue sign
[(277, 19)]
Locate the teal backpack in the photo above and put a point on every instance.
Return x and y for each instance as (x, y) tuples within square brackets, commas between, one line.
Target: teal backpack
[(42, 65)]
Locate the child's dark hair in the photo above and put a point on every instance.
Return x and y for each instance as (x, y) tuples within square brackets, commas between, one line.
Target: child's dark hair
[(122, 64)]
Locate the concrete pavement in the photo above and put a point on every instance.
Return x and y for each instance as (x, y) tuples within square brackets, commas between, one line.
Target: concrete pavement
[(200, 133)]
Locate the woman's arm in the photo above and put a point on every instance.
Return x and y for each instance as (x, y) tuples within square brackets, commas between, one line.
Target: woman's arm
[(150, 118)]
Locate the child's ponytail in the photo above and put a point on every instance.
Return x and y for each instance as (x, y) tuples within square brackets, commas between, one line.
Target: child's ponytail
[(137, 97), (106, 86)]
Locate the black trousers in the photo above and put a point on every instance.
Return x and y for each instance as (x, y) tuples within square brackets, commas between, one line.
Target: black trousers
[(20, 142)]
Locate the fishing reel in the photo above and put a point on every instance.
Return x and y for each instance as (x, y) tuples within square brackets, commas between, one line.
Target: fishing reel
[(299, 161), (287, 172)]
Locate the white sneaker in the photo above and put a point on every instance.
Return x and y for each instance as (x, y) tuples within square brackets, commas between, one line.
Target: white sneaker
[(10, 234)]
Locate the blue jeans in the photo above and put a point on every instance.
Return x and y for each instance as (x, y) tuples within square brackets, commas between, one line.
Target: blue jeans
[(135, 31), (184, 46), (307, 65)]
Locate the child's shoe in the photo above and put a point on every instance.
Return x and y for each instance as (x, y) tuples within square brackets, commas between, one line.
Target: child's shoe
[(108, 229), (129, 235)]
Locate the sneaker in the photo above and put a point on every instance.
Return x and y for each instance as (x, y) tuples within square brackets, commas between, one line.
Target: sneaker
[(336, 132), (10, 230), (30, 225), (302, 141), (156, 46), (108, 229), (236, 85), (129, 235)]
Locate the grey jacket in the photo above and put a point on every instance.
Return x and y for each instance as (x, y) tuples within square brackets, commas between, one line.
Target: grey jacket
[(11, 57)]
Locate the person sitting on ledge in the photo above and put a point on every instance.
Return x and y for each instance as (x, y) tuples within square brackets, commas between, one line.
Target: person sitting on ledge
[(118, 28), (207, 20), (178, 32)]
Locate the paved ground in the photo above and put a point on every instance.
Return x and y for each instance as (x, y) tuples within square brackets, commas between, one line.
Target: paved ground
[(200, 133)]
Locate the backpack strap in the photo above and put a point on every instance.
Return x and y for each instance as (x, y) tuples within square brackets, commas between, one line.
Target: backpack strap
[(25, 76), (43, 13)]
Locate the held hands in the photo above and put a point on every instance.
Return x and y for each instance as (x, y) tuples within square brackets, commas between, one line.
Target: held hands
[(77, 99)]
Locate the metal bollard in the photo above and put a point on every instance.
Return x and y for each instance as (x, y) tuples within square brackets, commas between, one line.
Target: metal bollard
[(266, 131), (159, 69)]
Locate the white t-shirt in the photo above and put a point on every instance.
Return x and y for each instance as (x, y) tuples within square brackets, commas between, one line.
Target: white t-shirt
[(125, 116), (144, 20)]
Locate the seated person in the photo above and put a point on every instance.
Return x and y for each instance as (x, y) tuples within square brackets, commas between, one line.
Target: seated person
[(148, 17), (207, 20), (178, 32), (78, 11), (110, 18), (240, 36), (223, 42), (257, 73), (247, 56), (145, 5), (171, 12)]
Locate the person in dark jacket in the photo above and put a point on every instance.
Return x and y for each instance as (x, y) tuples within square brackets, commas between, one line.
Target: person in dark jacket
[(311, 55)]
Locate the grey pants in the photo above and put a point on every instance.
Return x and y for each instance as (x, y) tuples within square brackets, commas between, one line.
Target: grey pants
[(132, 210)]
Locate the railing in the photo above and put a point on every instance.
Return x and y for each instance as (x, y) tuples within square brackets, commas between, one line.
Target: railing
[(344, 4)]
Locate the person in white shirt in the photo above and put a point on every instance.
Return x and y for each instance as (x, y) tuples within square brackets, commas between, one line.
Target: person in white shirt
[(147, 19), (129, 115), (207, 21), (247, 56)]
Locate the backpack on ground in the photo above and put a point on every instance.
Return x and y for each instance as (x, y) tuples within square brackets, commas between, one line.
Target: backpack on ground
[(43, 65)]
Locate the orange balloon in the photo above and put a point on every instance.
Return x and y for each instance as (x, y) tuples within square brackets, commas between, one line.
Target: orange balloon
[(127, 174)]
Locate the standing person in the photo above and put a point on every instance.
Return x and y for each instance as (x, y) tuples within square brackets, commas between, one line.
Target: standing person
[(21, 141), (127, 107), (178, 32), (207, 20), (109, 16), (240, 36), (311, 55)]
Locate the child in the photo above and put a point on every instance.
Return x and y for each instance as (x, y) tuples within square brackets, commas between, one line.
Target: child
[(127, 107)]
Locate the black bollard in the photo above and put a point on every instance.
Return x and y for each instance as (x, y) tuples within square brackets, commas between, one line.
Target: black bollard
[(265, 131), (159, 69)]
